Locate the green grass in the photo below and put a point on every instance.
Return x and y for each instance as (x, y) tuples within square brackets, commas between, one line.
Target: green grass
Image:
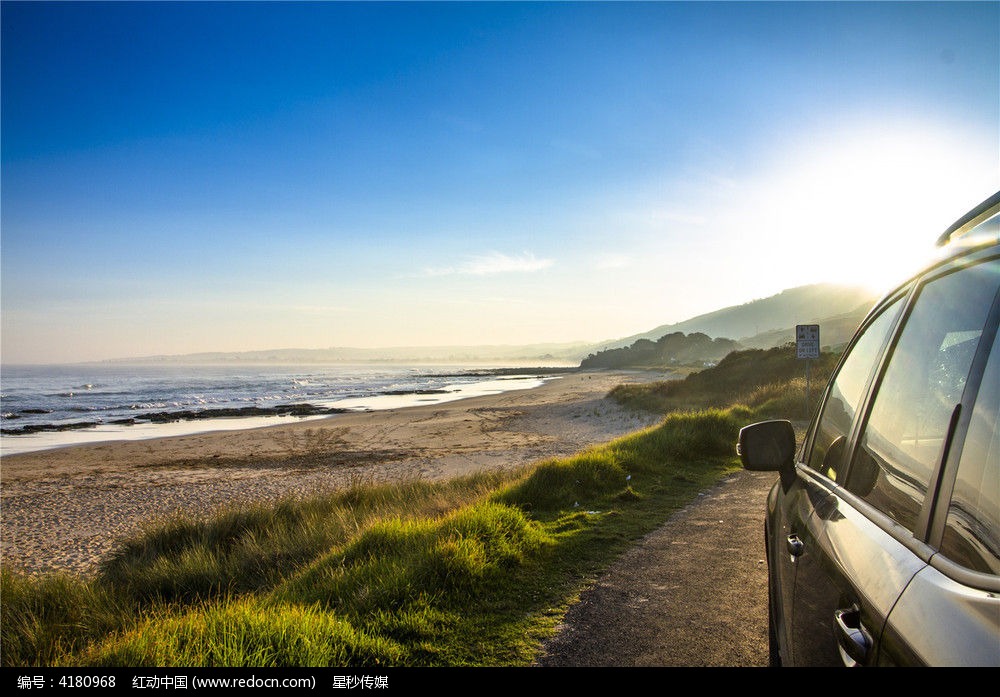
[(772, 382), (243, 550), (475, 571)]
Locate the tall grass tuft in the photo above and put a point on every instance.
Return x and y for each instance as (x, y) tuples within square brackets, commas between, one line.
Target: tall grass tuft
[(785, 399), (398, 564), (709, 433), (576, 481), (246, 549), (49, 616), (478, 541), (244, 633)]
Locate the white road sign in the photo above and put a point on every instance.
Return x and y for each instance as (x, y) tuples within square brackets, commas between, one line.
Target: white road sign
[(807, 341)]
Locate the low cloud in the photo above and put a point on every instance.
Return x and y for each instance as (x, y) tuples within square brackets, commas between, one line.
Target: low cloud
[(492, 264)]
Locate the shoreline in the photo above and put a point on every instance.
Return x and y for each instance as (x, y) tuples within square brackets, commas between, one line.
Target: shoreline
[(16, 438), (64, 509)]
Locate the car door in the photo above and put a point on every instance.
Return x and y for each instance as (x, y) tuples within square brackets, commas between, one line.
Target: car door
[(866, 537), (792, 549), (811, 492)]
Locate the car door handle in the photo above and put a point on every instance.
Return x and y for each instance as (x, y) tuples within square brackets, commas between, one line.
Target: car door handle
[(853, 639), (795, 545)]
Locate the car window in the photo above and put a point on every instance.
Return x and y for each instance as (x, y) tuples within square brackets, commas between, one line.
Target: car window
[(903, 439), (845, 394), (972, 529)]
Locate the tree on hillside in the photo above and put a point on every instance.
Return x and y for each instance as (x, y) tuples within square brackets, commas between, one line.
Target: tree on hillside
[(670, 350)]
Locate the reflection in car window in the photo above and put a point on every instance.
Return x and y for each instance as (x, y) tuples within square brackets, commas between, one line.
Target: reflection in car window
[(972, 532), (846, 392), (904, 437)]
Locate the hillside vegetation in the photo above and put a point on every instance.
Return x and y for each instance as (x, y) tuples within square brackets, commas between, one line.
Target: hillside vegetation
[(772, 382), (670, 350), (476, 571)]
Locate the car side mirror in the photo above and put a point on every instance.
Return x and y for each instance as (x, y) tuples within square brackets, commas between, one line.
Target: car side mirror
[(767, 446)]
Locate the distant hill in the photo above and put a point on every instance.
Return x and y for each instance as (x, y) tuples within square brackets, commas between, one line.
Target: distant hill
[(771, 321), (834, 331)]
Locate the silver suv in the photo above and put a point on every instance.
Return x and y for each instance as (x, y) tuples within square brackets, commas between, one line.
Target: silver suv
[(883, 529)]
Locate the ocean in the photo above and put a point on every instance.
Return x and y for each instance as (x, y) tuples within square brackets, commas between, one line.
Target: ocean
[(52, 406)]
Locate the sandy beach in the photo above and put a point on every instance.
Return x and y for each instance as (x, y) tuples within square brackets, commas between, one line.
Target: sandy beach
[(65, 509)]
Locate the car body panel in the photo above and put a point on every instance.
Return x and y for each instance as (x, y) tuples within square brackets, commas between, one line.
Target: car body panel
[(941, 622)]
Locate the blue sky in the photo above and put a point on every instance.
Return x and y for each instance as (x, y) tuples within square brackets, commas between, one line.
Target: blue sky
[(185, 177)]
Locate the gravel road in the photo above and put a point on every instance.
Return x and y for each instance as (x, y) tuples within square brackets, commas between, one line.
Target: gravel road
[(692, 593)]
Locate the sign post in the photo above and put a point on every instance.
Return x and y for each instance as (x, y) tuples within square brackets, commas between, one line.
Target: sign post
[(807, 349)]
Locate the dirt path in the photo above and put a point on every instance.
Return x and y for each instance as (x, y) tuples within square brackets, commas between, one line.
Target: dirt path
[(692, 593)]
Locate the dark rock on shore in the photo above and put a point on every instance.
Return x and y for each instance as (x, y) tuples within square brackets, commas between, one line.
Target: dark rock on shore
[(406, 392), (164, 417), (236, 412), (38, 428)]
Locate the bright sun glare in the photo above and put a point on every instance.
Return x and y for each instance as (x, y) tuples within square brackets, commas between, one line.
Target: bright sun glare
[(866, 210)]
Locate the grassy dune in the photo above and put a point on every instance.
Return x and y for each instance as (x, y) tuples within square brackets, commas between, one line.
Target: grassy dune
[(772, 382)]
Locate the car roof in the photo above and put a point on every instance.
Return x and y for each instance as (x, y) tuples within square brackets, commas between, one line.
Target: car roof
[(985, 215)]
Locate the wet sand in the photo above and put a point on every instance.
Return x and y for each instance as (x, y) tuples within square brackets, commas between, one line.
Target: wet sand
[(65, 509)]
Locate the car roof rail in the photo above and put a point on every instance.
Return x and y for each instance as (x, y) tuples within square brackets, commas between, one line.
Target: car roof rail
[(983, 211)]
